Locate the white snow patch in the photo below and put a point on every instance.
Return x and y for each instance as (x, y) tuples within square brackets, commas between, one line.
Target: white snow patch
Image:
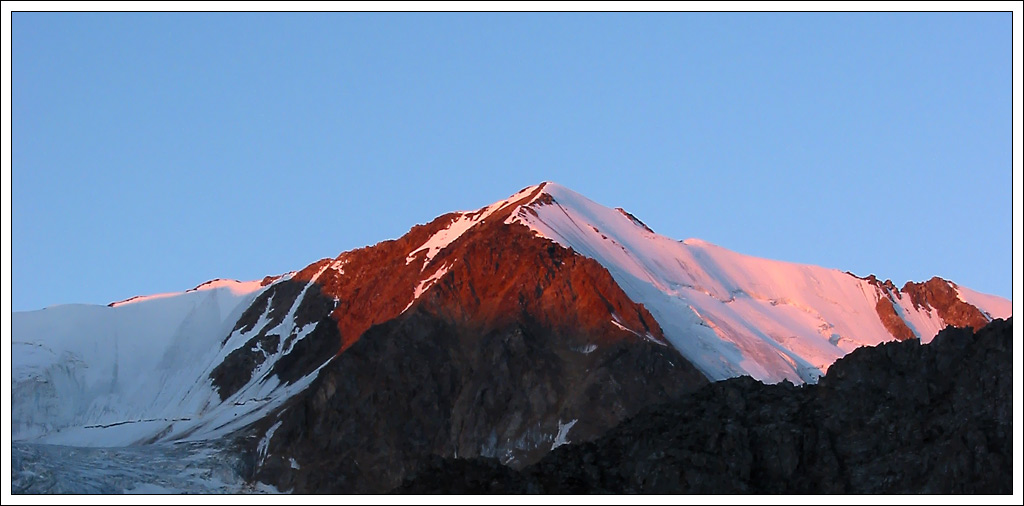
[(992, 305), (339, 265), (563, 433), (646, 335), (623, 327), (264, 444), (446, 236), (429, 281), (426, 283)]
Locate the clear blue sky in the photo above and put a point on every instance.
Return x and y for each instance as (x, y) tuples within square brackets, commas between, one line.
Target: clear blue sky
[(152, 152)]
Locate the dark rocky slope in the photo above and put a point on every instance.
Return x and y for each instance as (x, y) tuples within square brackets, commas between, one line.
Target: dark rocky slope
[(896, 418)]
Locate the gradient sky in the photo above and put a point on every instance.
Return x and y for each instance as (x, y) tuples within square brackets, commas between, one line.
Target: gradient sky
[(152, 152)]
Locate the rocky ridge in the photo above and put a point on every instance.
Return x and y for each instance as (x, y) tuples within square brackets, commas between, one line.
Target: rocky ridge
[(900, 417)]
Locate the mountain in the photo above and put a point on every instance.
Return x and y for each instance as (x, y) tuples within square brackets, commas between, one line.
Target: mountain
[(504, 332)]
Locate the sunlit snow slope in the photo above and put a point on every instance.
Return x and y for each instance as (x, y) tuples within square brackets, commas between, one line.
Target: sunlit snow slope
[(732, 314)]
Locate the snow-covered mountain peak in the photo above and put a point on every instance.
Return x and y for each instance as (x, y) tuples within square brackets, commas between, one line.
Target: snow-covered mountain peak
[(733, 314)]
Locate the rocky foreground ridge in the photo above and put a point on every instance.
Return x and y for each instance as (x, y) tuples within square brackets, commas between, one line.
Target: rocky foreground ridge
[(900, 417)]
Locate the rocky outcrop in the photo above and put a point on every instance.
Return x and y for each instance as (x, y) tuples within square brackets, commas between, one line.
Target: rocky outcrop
[(891, 320), (941, 295), (886, 309), (634, 218), (936, 294), (896, 418)]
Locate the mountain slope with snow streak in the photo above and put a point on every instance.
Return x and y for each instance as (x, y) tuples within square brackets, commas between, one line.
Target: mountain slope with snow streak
[(134, 371), (732, 314)]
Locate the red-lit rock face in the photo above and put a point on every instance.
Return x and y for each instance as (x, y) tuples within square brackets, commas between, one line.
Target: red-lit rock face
[(509, 273), (941, 295), (373, 284), (891, 320), (495, 273), (886, 309), (935, 294)]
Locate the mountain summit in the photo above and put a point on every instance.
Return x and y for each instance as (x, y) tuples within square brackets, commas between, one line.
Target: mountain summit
[(503, 332), (732, 314)]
